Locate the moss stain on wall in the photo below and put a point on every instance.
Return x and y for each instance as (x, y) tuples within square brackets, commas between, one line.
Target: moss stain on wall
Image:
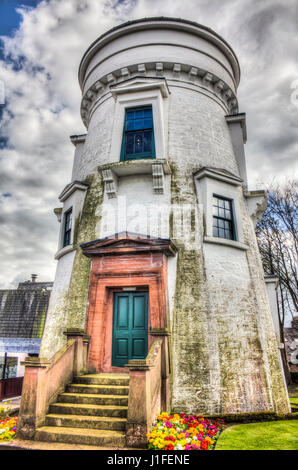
[(85, 230), (190, 345)]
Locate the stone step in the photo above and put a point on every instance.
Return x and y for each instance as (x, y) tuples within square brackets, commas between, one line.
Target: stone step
[(95, 437), (88, 410), (90, 422), (93, 399), (103, 379), (98, 389)]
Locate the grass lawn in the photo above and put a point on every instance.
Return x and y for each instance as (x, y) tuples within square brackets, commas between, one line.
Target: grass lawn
[(273, 435)]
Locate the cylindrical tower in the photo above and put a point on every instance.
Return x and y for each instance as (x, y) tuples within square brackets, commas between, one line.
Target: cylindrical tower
[(157, 225)]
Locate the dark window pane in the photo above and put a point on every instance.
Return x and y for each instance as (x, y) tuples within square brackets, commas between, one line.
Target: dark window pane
[(138, 143), (139, 114), (129, 125), (129, 115), (129, 143), (139, 124), (148, 123), (148, 112), (147, 141)]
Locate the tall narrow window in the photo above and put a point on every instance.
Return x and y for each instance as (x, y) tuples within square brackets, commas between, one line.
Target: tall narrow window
[(138, 135), (67, 227), (223, 221)]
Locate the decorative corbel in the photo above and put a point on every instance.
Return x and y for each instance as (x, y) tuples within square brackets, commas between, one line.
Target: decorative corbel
[(207, 79), (158, 178), (111, 182), (58, 213), (256, 203)]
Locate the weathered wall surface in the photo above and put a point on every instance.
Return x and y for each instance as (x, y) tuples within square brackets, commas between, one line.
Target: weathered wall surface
[(68, 304), (225, 355)]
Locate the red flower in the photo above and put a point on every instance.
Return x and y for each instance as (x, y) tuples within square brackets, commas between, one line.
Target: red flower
[(169, 447)]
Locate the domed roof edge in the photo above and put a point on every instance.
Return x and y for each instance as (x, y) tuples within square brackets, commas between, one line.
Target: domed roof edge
[(90, 53)]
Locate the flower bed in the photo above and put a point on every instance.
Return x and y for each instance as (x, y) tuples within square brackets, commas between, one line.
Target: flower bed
[(183, 432), (8, 424)]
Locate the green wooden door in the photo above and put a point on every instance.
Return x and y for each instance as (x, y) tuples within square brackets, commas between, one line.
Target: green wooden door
[(130, 327)]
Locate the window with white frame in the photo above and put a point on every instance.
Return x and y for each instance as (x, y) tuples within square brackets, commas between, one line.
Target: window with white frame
[(67, 227), (138, 134), (223, 218), (140, 123), (219, 194)]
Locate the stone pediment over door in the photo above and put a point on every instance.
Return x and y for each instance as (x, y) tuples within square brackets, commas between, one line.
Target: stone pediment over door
[(126, 243)]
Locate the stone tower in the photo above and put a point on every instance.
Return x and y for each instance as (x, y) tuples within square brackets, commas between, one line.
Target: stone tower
[(157, 224)]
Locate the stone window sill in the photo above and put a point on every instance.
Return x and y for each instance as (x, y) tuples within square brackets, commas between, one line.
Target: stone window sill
[(226, 242), (111, 172), (63, 251)]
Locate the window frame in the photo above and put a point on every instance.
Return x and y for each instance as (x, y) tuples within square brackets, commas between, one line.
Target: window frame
[(209, 181), (231, 221), (69, 230), (141, 155), (141, 91)]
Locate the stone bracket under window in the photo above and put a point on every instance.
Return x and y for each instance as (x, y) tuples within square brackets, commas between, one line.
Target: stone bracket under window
[(58, 213), (158, 178), (112, 172), (110, 180), (256, 203)]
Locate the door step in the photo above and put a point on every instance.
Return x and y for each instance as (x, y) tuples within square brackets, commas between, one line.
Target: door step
[(93, 437), (88, 410), (92, 411)]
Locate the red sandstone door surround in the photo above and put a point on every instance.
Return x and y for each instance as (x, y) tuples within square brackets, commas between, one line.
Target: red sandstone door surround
[(120, 262)]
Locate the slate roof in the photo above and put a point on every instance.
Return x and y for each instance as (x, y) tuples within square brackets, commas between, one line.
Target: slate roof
[(23, 310)]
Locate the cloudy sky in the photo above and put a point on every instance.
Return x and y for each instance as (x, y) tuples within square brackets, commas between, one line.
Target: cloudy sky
[(42, 43)]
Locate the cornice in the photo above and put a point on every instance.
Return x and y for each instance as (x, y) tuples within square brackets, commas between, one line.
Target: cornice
[(128, 243), (218, 174), (78, 139), (70, 188), (111, 83)]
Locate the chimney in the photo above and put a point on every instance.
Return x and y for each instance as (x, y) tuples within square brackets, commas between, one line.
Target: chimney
[(33, 277)]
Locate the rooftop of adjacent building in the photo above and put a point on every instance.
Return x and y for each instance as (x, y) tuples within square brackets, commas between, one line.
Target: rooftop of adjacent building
[(23, 310)]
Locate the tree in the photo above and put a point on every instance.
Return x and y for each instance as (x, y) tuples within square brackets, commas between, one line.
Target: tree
[(277, 239)]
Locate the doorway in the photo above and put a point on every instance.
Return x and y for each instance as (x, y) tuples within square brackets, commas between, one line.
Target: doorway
[(130, 327)]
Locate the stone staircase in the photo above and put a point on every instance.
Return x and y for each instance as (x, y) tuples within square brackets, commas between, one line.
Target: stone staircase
[(92, 411)]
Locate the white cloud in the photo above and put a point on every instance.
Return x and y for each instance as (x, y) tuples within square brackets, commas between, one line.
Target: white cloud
[(43, 100)]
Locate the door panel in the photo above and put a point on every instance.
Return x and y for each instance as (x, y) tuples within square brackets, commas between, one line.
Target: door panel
[(122, 347), (138, 348), (122, 312), (139, 313), (130, 327)]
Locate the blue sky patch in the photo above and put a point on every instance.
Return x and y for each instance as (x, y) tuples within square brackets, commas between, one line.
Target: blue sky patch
[(10, 19)]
